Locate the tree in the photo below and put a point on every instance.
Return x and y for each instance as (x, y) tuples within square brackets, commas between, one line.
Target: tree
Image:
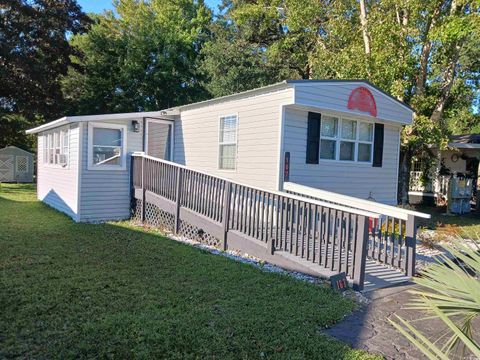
[(425, 53), (34, 53), (143, 58)]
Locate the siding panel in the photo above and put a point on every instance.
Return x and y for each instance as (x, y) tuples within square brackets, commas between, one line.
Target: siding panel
[(358, 180), (105, 194), (56, 186), (334, 96), (196, 138)]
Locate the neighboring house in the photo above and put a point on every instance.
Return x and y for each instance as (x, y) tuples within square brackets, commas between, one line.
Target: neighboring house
[(16, 165), (429, 179), (340, 136)]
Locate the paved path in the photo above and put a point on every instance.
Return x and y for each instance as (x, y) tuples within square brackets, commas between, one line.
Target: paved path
[(369, 329)]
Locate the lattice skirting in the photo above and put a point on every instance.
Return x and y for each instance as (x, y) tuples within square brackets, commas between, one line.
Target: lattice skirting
[(194, 233), (156, 217)]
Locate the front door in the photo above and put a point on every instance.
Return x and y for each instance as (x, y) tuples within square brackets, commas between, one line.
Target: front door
[(159, 139)]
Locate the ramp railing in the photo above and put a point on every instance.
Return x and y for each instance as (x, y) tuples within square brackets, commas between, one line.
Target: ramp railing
[(269, 224), (392, 236)]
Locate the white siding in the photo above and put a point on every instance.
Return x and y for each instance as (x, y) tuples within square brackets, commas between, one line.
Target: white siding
[(105, 194), (346, 178), (334, 96), (197, 135), (57, 186)]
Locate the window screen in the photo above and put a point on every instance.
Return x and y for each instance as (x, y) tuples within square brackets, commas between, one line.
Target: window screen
[(228, 142)]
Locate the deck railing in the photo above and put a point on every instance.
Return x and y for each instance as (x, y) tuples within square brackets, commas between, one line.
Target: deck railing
[(392, 236), (327, 235)]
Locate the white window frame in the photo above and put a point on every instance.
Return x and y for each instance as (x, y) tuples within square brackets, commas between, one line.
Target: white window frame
[(338, 139), (50, 158), (221, 143), (65, 149), (123, 157), (45, 148)]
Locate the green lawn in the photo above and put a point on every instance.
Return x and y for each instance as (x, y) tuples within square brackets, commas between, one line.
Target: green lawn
[(467, 225), (72, 290)]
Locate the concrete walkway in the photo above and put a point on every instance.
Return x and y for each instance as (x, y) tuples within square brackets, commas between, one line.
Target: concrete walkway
[(369, 329)]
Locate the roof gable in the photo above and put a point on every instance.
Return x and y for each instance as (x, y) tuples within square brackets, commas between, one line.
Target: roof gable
[(356, 97), (14, 148)]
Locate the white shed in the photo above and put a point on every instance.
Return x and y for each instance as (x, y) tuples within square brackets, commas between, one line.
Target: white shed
[(340, 136), (16, 165)]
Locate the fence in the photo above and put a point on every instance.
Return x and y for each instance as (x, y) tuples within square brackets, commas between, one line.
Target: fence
[(286, 229)]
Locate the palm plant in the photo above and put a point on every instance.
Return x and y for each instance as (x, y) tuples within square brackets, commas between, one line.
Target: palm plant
[(450, 291)]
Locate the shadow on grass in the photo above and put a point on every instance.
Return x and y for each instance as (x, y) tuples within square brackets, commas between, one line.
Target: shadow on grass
[(73, 290), (8, 188)]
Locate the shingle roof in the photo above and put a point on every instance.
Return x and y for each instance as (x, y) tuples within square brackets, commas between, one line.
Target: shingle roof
[(466, 139)]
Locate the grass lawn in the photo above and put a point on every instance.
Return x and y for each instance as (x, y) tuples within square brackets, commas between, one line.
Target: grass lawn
[(72, 290), (467, 225)]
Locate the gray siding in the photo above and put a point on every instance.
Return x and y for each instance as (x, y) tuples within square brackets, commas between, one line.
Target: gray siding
[(105, 194), (197, 136), (57, 186), (334, 96), (346, 178)]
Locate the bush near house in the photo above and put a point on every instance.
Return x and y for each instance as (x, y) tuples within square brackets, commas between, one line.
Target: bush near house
[(71, 290)]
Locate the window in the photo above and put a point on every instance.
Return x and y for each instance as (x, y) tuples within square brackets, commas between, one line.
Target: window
[(45, 149), (56, 147), (228, 142), (106, 149), (328, 135), (64, 137), (50, 148), (346, 139)]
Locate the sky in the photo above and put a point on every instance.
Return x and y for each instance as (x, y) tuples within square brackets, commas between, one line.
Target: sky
[(97, 6)]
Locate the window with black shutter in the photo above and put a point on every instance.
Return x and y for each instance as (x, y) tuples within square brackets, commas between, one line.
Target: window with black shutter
[(378, 145), (313, 137)]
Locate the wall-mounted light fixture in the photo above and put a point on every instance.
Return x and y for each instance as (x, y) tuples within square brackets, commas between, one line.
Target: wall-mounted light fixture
[(135, 126)]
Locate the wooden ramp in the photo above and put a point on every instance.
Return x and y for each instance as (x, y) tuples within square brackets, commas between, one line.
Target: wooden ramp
[(298, 233)]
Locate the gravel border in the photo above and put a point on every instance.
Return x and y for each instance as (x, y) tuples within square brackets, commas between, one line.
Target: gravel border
[(245, 258)]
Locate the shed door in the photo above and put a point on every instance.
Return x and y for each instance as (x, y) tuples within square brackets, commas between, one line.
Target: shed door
[(159, 139), (6, 167)]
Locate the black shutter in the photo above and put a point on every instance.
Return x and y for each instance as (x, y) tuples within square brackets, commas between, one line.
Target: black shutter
[(378, 145), (313, 137)]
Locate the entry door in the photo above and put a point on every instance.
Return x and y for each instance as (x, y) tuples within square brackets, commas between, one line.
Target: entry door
[(159, 139)]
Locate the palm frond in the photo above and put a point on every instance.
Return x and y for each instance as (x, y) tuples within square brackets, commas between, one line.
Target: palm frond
[(450, 291)]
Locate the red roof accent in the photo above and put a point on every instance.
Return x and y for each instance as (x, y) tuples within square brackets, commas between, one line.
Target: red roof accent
[(362, 99)]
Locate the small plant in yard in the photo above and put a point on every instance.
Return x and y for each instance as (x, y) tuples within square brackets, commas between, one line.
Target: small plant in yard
[(450, 292)]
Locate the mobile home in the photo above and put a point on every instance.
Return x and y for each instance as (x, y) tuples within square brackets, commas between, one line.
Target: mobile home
[(339, 136)]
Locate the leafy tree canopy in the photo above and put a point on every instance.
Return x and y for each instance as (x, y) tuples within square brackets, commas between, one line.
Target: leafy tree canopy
[(426, 53), (34, 53), (142, 58)]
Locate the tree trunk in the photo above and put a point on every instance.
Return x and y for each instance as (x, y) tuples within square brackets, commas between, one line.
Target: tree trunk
[(363, 22), (425, 54), (404, 175), (448, 80), (448, 74)]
